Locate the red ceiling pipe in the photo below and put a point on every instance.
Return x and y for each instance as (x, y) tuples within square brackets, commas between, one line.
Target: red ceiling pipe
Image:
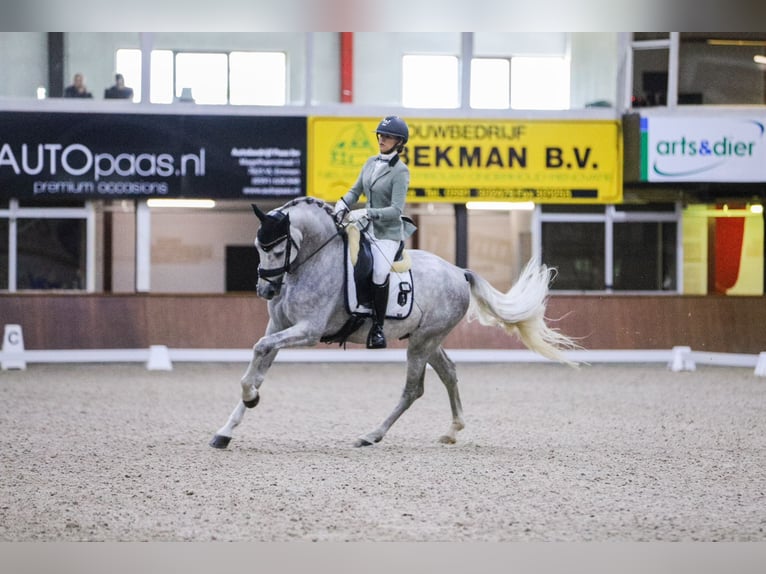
[(346, 67)]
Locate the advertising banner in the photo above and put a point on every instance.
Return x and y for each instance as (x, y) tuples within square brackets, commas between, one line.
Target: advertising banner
[(455, 161), (111, 156), (703, 149)]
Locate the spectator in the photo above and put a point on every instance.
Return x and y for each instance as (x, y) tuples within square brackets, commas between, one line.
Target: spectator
[(78, 88), (119, 91)]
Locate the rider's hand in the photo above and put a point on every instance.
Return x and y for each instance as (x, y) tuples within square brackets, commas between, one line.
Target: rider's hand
[(340, 210), (357, 215)]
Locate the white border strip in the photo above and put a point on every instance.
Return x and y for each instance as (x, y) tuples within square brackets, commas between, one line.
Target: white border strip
[(160, 357)]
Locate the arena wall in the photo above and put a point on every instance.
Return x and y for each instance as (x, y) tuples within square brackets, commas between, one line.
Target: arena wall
[(236, 321)]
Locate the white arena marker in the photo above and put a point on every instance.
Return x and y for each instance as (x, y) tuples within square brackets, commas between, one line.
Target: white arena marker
[(682, 360), (13, 348), (760, 366), (159, 359)]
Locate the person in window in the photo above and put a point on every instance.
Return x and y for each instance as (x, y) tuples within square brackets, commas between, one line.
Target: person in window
[(383, 180), (78, 88), (119, 91)]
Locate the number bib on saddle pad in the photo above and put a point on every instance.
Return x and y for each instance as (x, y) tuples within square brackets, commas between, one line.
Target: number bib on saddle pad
[(359, 279)]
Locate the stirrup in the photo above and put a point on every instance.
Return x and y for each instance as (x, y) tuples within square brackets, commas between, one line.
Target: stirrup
[(376, 339)]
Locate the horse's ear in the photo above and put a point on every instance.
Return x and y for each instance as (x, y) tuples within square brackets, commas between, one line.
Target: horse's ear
[(258, 213)]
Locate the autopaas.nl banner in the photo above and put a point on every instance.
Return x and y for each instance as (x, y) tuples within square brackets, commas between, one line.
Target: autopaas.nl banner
[(109, 156), (455, 161)]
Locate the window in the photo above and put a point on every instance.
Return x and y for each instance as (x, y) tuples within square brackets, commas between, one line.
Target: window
[(490, 83), (206, 75), (239, 78), (617, 248), (258, 78), (3, 254), (539, 83), (722, 68), (128, 63), (576, 250), (645, 256), (161, 91), (430, 82), (51, 254), (47, 247)]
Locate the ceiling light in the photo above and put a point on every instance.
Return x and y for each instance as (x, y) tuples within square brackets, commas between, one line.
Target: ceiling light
[(723, 42), (758, 59), (186, 203), (500, 205)]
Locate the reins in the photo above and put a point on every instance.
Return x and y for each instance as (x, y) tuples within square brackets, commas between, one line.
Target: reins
[(339, 230)]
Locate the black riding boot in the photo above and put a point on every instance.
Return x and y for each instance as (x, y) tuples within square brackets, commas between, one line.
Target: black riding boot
[(376, 339)]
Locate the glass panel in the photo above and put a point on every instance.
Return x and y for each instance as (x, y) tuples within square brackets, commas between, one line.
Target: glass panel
[(128, 63), (650, 78), (722, 69), (206, 75), (539, 83), (161, 91), (577, 251), (3, 254), (51, 254), (490, 83), (430, 82), (645, 256), (258, 78)]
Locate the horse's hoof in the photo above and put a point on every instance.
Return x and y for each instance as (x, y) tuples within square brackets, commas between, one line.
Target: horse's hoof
[(220, 441), (252, 402), (446, 439), (362, 442)]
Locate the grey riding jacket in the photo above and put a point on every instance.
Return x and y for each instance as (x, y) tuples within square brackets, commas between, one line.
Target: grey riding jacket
[(386, 192)]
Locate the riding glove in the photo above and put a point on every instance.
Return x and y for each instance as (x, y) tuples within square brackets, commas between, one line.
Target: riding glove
[(340, 210), (358, 215)]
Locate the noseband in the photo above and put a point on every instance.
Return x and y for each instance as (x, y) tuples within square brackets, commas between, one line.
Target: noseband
[(278, 272)]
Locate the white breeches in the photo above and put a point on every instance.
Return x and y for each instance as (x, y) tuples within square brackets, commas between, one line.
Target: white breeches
[(383, 253)]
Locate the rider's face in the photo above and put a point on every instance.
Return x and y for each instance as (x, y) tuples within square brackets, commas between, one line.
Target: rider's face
[(386, 143)]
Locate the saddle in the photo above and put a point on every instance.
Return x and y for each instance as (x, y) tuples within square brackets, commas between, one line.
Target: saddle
[(358, 284)]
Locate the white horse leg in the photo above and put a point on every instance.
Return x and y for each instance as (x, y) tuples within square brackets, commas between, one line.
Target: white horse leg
[(223, 436), (413, 390), (445, 368), (252, 380), (264, 353)]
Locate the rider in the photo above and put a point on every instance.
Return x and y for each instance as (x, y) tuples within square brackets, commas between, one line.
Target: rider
[(384, 180)]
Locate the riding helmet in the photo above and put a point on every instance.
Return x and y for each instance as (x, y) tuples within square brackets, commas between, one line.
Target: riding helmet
[(394, 126)]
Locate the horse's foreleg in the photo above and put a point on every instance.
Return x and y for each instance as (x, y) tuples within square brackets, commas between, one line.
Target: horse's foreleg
[(252, 380), (445, 368), (413, 390), (264, 353), (223, 436)]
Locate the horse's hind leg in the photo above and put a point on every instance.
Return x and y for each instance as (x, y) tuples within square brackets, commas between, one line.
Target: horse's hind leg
[(413, 390), (445, 368)]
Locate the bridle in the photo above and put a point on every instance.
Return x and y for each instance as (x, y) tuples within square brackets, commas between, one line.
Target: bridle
[(268, 275), (275, 276)]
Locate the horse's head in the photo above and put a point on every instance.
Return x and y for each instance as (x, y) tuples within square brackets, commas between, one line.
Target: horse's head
[(277, 245)]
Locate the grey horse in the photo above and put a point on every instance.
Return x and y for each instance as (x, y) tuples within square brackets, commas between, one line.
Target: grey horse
[(301, 274)]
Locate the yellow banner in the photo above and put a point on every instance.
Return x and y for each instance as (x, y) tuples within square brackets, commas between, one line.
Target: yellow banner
[(454, 161)]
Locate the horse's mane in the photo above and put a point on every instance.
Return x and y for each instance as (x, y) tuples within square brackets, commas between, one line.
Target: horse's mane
[(307, 200)]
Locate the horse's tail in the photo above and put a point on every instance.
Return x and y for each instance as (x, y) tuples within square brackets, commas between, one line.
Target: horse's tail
[(521, 311)]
